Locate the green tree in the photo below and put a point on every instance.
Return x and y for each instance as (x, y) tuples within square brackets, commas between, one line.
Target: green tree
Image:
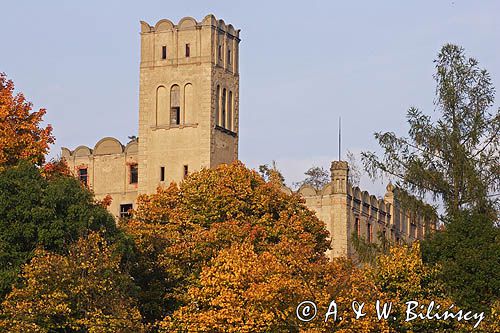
[(457, 157), (317, 177), (47, 209), (468, 251)]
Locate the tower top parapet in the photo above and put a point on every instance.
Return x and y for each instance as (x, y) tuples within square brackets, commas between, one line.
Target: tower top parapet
[(189, 22), (339, 165)]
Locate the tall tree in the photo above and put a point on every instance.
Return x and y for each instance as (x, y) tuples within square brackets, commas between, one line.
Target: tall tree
[(21, 136), (178, 230), (46, 208), (456, 158)]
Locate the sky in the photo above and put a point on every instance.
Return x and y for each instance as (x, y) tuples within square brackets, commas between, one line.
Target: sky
[(303, 64)]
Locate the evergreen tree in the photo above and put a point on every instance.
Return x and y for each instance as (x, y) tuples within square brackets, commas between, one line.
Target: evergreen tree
[(457, 157)]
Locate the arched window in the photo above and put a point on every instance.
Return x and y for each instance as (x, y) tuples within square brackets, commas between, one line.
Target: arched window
[(217, 106), (161, 106), (230, 111), (223, 104), (175, 105)]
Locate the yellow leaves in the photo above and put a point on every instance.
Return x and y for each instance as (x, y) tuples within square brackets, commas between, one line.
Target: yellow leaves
[(82, 290)]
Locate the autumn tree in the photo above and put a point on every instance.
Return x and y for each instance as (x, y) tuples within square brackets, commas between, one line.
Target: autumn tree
[(21, 133), (245, 290), (44, 208), (83, 291), (403, 276), (456, 158), (179, 229)]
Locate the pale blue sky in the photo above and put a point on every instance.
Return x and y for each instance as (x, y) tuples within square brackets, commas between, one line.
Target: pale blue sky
[(302, 65)]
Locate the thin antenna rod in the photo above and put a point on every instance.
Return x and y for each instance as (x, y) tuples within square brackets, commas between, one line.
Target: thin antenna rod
[(340, 139)]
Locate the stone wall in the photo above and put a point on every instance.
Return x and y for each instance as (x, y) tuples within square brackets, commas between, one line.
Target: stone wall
[(348, 210), (108, 167)]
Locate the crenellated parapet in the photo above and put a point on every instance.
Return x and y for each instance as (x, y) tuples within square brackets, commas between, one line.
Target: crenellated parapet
[(105, 146), (209, 41), (188, 22)]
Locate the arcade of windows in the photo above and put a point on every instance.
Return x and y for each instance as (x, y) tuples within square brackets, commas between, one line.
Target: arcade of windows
[(173, 109), (224, 109)]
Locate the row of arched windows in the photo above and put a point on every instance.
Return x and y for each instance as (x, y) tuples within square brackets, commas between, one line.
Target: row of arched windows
[(175, 108), (224, 108)]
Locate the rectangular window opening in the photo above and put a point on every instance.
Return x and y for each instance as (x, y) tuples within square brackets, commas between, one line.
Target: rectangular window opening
[(83, 175), (369, 236), (357, 226), (134, 174), (125, 210), (186, 171), (229, 57), (188, 51), (164, 52), (162, 174), (175, 115), (220, 52)]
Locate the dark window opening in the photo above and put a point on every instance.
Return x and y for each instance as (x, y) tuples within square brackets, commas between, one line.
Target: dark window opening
[(125, 210), (369, 235), (162, 174), (175, 115), (83, 175), (187, 50), (357, 226), (413, 230), (164, 52), (229, 57), (223, 114), (134, 174), (217, 106), (186, 171), (175, 105), (220, 52)]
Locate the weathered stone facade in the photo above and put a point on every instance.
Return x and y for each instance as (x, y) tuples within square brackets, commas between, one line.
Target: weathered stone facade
[(347, 211), (189, 120), (188, 113)]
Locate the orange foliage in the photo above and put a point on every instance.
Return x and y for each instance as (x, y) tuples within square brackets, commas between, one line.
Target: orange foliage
[(55, 168), (21, 136), (235, 253), (242, 290)]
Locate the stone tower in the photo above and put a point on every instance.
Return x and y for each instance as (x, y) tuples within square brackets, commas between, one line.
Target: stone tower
[(340, 226), (188, 99)]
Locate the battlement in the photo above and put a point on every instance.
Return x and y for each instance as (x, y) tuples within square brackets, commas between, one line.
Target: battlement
[(105, 146), (187, 23)]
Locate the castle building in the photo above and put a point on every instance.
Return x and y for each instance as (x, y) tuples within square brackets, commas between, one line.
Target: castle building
[(188, 113), (189, 120), (351, 213)]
